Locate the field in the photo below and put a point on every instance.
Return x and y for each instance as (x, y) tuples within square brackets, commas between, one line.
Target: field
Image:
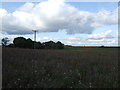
[(67, 68)]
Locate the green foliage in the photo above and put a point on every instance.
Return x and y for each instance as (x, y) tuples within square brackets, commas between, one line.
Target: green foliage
[(53, 45), (102, 46), (38, 45), (21, 42), (59, 45), (49, 45), (5, 41), (10, 45), (29, 43)]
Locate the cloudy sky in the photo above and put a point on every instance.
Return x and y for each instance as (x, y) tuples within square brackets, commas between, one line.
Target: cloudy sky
[(73, 23)]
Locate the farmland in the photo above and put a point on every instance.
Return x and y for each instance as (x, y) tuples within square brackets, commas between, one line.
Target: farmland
[(66, 68)]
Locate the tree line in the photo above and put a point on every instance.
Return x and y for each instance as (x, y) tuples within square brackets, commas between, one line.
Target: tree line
[(22, 42)]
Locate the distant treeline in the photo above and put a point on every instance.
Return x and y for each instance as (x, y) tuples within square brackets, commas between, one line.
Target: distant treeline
[(22, 42)]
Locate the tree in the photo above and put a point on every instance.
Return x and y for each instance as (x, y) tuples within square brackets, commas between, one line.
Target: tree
[(5, 41), (59, 45), (20, 42), (49, 45), (102, 46), (38, 45), (10, 45), (29, 43), (53, 45)]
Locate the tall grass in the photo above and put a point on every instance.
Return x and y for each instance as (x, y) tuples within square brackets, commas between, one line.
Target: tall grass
[(28, 68)]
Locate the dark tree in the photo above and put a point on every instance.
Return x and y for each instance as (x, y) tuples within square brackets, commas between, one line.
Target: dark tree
[(53, 45), (10, 45), (29, 43), (49, 45), (38, 45), (102, 46), (20, 42), (59, 45), (5, 41)]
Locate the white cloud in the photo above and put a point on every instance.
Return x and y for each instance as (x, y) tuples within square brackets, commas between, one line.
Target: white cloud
[(96, 24), (44, 39), (52, 16), (91, 42), (27, 7), (3, 12), (106, 17), (103, 38), (107, 34)]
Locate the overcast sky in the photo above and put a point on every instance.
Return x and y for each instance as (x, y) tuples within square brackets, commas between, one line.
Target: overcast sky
[(73, 23)]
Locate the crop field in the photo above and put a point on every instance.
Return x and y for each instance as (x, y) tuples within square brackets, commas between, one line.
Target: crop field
[(66, 68)]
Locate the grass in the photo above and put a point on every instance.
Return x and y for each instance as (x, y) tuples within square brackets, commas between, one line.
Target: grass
[(67, 68)]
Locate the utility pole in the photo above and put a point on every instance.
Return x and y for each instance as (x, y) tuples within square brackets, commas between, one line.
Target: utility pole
[(33, 61), (35, 31)]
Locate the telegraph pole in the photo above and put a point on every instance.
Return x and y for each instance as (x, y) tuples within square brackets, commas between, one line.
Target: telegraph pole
[(35, 32), (33, 61)]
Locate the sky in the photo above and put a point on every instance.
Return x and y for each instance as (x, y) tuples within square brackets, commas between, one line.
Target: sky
[(72, 23)]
